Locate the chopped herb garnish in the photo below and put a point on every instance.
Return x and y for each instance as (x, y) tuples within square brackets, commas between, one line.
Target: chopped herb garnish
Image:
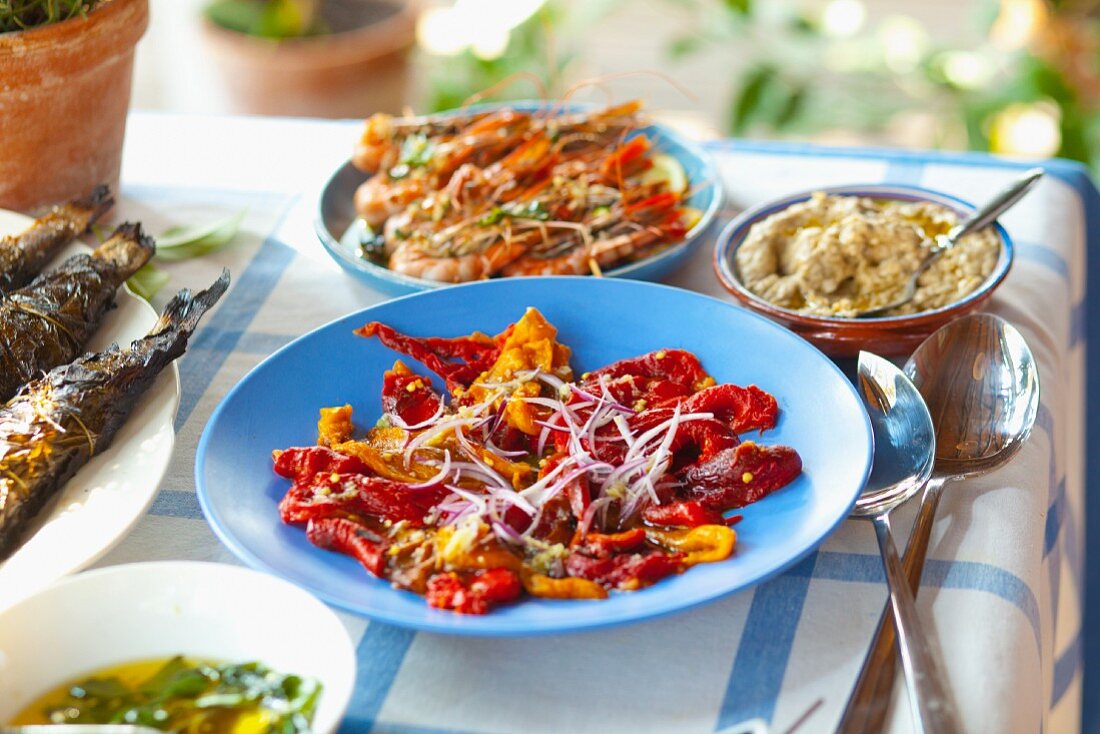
[(493, 217), (416, 151), (187, 696), (530, 210)]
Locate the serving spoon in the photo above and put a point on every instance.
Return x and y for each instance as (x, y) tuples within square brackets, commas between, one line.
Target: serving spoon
[(981, 384), (905, 450), (944, 242)]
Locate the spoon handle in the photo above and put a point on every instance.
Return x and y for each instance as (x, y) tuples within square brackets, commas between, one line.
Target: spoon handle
[(994, 207), (870, 700), (932, 708)]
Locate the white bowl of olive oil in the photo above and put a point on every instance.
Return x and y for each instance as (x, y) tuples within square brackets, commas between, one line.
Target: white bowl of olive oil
[(124, 625)]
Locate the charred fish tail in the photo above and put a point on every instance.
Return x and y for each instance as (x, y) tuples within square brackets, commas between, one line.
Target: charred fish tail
[(126, 250), (180, 318), (87, 210)]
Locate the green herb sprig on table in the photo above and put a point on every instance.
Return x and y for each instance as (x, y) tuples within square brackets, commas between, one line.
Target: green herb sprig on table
[(183, 243), (17, 15), (183, 694)]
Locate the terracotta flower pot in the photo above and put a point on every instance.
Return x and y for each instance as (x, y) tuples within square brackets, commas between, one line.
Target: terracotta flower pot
[(64, 95), (352, 72)]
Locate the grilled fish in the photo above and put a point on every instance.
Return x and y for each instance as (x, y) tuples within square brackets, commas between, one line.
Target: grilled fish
[(48, 322), (23, 256), (61, 420)]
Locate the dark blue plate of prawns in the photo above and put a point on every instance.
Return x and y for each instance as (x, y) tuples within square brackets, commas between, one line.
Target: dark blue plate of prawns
[(524, 188), (85, 426)]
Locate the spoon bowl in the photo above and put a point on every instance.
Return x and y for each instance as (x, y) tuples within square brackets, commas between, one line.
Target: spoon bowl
[(981, 384), (904, 438)]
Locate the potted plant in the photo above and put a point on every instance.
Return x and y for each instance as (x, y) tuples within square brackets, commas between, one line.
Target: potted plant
[(315, 58), (65, 73)]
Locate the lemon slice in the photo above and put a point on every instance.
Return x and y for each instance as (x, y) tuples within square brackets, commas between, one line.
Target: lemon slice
[(668, 170), (690, 217)]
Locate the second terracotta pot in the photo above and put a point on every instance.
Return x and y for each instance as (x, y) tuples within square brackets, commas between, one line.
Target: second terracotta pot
[(351, 73)]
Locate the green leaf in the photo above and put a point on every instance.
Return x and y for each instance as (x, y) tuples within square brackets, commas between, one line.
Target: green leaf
[(147, 281), (754, 84), (185, 242), (98, 688), (684, 46), (788, 112), (242, 16), (744, 7)]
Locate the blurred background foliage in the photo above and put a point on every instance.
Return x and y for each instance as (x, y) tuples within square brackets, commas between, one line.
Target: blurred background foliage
[(1030, 87)]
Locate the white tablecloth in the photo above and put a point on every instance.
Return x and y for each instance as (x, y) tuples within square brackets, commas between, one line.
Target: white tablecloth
[(1003, 586)]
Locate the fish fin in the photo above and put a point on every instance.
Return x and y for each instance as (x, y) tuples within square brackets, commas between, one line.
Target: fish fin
[(183, 312), (127, 249)]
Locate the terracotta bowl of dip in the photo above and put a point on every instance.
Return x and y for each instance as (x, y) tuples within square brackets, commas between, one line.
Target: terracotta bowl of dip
[(845, 337)]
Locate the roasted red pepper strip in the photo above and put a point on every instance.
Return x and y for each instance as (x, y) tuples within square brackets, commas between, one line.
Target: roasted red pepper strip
[(409, 396), (625, 571), (305, 462), (695, 440), (742, 408), (625, 160), (737, 477), (474, 353), (675, 365), (601, 545), (350, 538), (682, 514), (340, 495), (663, 201), (486, 588)]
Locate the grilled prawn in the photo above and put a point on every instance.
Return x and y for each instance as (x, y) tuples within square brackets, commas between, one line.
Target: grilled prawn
[(48, 322), (55, 425), (23, 256)]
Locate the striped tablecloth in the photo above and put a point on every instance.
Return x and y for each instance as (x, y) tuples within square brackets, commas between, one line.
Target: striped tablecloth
[(1004, 585)]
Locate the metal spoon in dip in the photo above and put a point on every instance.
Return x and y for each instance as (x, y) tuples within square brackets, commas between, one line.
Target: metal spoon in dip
[(905, 449), (981, 384), (944, 242)]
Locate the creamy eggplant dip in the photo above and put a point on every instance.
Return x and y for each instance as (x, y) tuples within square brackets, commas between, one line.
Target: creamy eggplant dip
[(842, 255)]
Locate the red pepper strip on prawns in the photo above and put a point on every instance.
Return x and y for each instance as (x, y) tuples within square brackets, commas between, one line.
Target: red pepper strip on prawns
[(521, 479)]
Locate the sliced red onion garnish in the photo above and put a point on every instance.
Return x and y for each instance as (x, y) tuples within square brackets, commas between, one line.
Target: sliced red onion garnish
[(439, 477), (501, 452)]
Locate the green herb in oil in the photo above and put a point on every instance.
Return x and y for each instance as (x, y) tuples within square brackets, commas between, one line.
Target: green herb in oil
[(194, 696)]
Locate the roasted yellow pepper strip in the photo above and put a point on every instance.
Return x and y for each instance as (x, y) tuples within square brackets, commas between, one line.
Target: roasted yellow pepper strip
[(532, 344), (546, 587), (478, 551), (335, 426), (703, 544)]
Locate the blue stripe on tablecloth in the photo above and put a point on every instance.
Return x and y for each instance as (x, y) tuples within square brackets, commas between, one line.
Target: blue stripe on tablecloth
[(904, 172), (256, 342), (964, 575), (182, 503), (212, 345), (1065, 669), (380, 654), (765, 647), (1055, 516), (1077, 323), (1041, 254)]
